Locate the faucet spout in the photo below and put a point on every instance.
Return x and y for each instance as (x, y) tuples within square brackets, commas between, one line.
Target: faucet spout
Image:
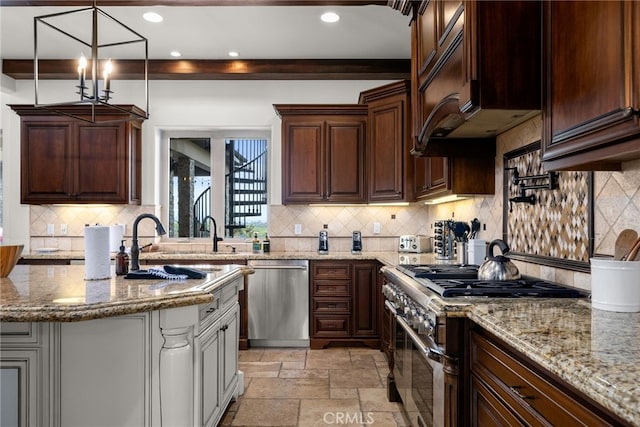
[(216, 239), (135, 249)]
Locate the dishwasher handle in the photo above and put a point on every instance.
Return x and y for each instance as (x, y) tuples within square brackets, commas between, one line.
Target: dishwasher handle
[(278, 267)]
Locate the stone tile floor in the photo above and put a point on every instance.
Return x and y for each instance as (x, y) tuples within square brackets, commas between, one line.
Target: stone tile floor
[(309, 388)]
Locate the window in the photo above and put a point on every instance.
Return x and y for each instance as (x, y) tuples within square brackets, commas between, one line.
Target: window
[(219, 178)]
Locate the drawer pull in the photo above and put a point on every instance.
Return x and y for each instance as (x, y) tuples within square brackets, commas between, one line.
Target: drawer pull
[(211, 310), (516, 390), (331, 305)]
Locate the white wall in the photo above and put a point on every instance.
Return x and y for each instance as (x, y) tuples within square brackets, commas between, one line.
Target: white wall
[(173, 105)]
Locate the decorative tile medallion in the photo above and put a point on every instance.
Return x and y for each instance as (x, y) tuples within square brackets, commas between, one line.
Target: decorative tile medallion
[(557, 224)]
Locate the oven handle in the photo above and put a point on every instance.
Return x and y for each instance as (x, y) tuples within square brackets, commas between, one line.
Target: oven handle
[(432, 351)]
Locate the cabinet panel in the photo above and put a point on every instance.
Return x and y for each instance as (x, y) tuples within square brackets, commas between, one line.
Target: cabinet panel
[(345, 175), (211, 405), (303, 159), (366, 294), (591, 106), (229, 325), (388, 149), (102, 171), (124, 377), (47, 173)]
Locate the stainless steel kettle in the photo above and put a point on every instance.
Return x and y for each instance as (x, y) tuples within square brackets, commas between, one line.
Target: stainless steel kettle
[(498, 267)]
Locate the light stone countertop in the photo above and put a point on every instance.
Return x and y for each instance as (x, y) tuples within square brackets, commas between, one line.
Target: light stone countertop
[(60, 293), (388, 258), (595, 351)]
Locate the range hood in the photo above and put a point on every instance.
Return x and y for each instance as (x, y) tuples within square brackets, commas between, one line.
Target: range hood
[(451, 132)]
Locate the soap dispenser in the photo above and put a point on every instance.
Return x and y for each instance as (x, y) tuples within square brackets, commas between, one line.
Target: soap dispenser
[(122, 261)]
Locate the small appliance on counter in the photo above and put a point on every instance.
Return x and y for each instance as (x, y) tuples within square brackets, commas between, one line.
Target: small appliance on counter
[(356, 242), (323, 242), (414, 243)]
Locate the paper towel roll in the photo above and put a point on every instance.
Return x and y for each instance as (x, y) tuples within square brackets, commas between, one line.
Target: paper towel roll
[(115, 236), (97, 257)]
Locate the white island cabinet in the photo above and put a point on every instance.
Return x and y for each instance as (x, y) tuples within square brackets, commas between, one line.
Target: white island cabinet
[(176, 365)]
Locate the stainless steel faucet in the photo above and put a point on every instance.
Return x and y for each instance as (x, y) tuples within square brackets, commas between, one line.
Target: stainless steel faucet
[(216, 239), (135, 249)]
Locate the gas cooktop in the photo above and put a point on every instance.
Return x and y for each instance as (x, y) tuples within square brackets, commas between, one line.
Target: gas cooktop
[(524, 287), (455, 280)]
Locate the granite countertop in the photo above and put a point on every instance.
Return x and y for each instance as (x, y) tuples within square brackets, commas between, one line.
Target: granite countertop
[(388, 258), (60, 293), (595, 351)]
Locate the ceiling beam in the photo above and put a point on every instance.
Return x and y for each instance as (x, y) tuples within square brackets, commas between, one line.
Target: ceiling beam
[(256, 69), (85, 3)]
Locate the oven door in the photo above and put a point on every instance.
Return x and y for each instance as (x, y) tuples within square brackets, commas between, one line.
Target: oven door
[(422, 389)]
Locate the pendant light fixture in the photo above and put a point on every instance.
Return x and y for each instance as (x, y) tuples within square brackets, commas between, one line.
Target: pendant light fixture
[(99, 42)]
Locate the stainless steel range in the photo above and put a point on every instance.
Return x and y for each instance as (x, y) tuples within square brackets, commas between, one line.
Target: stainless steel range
[(428, 347)]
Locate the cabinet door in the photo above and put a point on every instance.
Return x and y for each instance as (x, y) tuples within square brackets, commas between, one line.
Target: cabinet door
[(302, 161), (386, 150), (345, 179), (47, 161), (592, 87), (230, 327), (101, 173), (210, 350), (366, 294)]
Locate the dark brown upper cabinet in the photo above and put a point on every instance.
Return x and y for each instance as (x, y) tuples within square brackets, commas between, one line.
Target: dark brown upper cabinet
[(476, 72), (389, 161), (323, 153), (66, 160), (591, 84)]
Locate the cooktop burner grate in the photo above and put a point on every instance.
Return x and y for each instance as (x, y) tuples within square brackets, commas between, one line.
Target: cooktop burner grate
[(430, 271), (525, 287)]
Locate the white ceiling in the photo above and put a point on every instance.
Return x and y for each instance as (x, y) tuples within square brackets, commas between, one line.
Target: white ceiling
[(209, 32)]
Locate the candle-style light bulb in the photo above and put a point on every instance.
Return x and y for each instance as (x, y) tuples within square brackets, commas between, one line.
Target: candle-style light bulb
[(82, 69), (108, 69)]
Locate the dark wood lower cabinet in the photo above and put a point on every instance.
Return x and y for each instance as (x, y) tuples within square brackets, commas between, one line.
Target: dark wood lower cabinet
[(508, 389), (344, 303)]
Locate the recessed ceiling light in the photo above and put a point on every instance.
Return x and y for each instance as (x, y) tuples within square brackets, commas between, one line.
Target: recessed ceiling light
[(233, 53), (330, 17), (152, 17), (175, 54)]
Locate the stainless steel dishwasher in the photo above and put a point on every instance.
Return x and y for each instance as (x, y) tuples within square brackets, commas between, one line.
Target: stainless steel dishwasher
[(278, 303)]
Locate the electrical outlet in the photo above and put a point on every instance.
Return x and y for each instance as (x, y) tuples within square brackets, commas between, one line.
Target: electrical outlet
[(63, 229), (50, 229), (297, 229), (376, 228)]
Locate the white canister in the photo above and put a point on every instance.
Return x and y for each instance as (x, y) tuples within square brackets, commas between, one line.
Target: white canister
[(615, 285), (477, 251)]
